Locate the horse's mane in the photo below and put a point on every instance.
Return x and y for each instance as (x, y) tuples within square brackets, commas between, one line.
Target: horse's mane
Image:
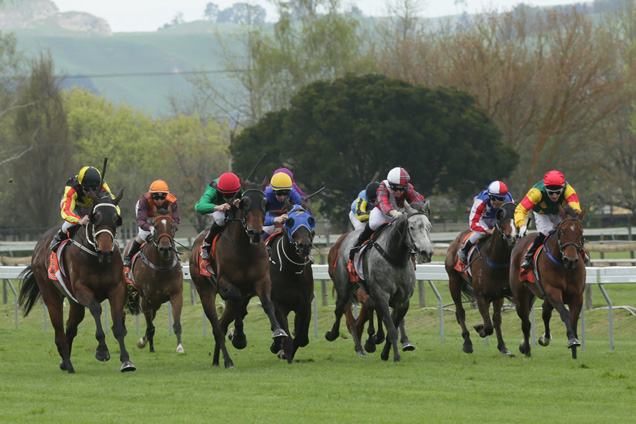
[(162, 211)]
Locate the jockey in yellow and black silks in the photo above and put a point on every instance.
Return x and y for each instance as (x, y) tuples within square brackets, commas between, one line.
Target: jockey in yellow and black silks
[(76, 202)]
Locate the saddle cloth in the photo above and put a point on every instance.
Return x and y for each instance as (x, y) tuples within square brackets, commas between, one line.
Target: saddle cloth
[(57, 273)]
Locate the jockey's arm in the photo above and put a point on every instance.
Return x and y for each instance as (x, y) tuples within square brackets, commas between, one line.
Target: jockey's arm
[(525, 206)]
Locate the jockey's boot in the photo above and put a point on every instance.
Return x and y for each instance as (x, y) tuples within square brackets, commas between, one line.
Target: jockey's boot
[(59, 238), (364, 236), (463, 252), (133, 250), (527, 260), (207, 243)]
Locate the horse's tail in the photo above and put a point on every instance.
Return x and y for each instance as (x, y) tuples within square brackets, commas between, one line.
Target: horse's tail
[(132, 300), (29, 291)]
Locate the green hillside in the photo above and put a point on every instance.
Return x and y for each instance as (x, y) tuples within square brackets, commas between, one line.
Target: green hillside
[(109, 60)]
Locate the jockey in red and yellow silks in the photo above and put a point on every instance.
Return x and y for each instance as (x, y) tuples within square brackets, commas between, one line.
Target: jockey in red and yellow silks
[(544, 199), (76, 202)]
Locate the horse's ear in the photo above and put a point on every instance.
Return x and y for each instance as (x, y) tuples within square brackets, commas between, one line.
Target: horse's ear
[(409, 210), (582, 214), (290, 223), (154, 209), (311, 222), (262, 186), (170, 209), (501, 214), (562, 212), (119, 196), (117, 220), (426, 207)]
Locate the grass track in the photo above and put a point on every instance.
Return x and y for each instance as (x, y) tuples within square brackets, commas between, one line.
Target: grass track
[(327, 382)]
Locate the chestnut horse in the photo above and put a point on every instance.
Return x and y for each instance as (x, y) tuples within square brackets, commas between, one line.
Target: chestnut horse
[(292, 280), (158, 276), (95, 272), (489, 266), (560, 266), (241, 265)]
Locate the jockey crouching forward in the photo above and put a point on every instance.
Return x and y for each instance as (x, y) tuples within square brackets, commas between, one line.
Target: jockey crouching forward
[(76, 203), (157, 197), (483, 215), (280, 195), (391, 195)]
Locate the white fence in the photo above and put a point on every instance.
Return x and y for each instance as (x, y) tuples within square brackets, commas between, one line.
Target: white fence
[(599, 276)]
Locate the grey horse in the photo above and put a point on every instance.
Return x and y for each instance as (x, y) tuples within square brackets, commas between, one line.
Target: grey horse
[(389, 272)]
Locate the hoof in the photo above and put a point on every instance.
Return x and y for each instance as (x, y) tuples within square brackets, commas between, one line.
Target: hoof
[(467, 348), (180, 348), (274, 347), (281, 354), (544, 341), (279, 333), (378, 338), (369, 346), (141, 343), (102, 355), (239, 341), (331, 336), (573, 342), (127, 366), (63, 367), (506, 352), (408, 347), (361, 354)]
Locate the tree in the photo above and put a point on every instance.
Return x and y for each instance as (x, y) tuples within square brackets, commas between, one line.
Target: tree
[(345, 133), (211, 12), (42, 128)]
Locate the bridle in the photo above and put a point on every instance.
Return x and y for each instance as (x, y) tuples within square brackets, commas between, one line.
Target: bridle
[(252, 206), (91, 234), (577, 246)]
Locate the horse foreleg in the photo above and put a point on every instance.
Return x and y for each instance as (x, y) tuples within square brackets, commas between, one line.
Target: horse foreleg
[(575, 311), (264, 294), (546, 314), (302, 321), (208, 301), (149, 335), (382, 309), (497, 306), (485, 329), (557, 302), (407, 346), (523, 304), (101, 353), (75, 317), (237, 336), (282, 347), (460, 314), (177, 304), (116, 301)]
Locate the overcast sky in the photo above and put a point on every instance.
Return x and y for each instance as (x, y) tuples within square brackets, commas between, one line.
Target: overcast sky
[(148, 15)]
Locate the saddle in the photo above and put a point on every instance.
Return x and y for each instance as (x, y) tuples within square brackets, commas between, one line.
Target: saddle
[(205, 267)]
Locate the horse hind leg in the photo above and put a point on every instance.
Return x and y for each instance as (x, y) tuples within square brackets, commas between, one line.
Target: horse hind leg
[(460, 314), (119, 330), (177, 305), (56, 314)]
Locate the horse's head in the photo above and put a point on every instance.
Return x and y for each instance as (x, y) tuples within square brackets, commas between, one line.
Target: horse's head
[(252, 213), (163, 236), (300, 230), (570, 238), (506, 223), (103, 222), (418, 228)]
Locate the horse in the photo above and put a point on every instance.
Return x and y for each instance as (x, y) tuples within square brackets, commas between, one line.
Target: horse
[(241, 270), (365, 313), (158, 276), (561, 280), (95, 273), (292, 280), (388, 272), (488, 283)]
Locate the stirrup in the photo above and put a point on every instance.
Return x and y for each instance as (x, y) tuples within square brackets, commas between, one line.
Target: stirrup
[(205, 252), (353, 275), (526, 263), (127, 262)]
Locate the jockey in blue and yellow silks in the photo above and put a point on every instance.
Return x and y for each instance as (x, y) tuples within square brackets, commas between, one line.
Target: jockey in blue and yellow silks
[(279, 193), (544, 199), (76, 203), (362, 206)]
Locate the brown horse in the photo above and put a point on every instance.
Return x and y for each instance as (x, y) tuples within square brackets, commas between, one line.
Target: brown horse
[(560, 266), (292, 280), (158, 276), (241, 266), (95, 271), (488, 283)]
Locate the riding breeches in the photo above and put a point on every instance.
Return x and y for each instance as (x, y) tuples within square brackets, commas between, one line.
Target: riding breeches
[(546, 223)]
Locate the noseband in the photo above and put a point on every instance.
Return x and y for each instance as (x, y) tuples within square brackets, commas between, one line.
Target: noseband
[(156, 239), (577, 246)]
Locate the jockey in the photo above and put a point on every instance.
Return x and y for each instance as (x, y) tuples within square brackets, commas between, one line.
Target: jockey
[(483, 214), (294, 185), (279, 194), (391, 195), (215, 203), (362, 206), (157, 197), (544, 199), (76, 203)]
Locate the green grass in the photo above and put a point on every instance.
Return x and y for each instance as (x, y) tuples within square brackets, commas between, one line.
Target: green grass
[(327, 382)]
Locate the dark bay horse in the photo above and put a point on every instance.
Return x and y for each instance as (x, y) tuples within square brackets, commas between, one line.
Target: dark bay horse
[(95, 271), (292, 280), (388, 272), (489, 269), (561, 269), (241, 265), (158, 276)]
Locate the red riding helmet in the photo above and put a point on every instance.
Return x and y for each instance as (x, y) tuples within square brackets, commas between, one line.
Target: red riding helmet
[(228, 183), (554, 178)]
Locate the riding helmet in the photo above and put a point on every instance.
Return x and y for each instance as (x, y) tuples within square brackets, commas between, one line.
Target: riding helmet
[(372, 191), (159, 186), (281, 181), (228, 183), (497, 188), (554, 178), (89, 177), (398, 176)]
